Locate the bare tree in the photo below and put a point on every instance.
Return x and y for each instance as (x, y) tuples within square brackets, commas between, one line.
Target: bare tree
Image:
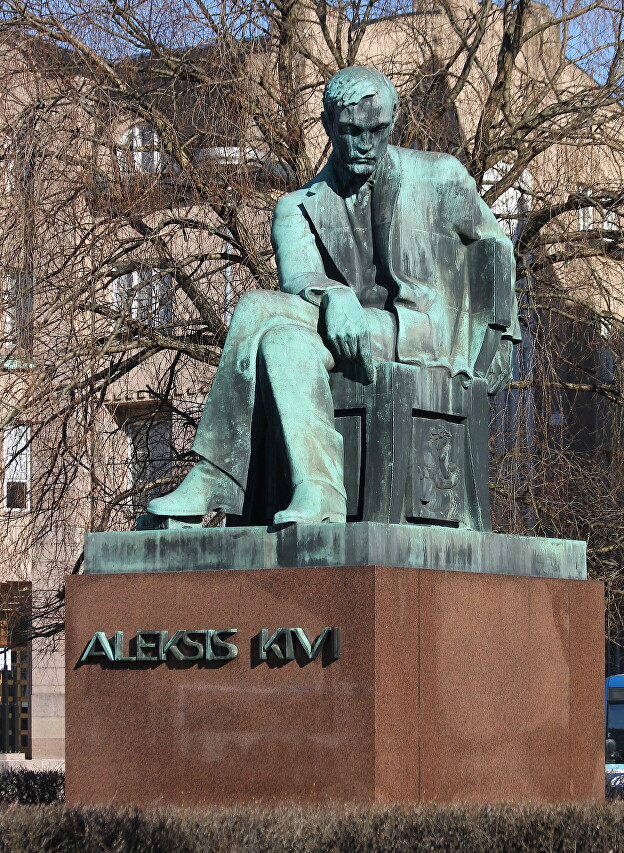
[(144, 147)]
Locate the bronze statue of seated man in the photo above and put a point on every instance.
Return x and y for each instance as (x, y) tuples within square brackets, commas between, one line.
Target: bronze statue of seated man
[(370, 257)]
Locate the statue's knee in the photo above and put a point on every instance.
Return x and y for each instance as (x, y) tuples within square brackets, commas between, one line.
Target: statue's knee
[(249, 318), (250, 305), (282, 337), (296, 345), (257, 305)]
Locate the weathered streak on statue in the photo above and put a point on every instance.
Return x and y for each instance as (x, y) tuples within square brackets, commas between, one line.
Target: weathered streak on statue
[(372, 258)]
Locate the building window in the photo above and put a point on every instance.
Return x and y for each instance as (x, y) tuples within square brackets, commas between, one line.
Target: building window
[(18, 311), (140, 150), (150, 457), (14, 668), (585, 214), (16, 165), (610, 220), (232, 155), (17, 467), (145, 295), (513, 204)]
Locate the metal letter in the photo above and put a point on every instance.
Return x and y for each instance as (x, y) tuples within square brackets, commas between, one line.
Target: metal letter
[(98, 638), (336, 649), (272, 644), (119, 648), (162, 639), (219, 642), (143, 645), (312, 650), (267, 645), (194, 644), (209, 652), (171, 646)]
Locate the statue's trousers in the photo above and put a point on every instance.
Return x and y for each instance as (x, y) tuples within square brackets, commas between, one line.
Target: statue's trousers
[(274, 363)]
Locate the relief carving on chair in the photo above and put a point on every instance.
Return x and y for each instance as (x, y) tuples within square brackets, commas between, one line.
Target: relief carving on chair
[(438, 476)]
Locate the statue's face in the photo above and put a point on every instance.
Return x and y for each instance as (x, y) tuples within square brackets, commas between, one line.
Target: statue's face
[(360, 134)]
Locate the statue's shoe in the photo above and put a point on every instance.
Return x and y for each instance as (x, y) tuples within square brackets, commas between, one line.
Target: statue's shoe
[(313, 503), (198, 493)]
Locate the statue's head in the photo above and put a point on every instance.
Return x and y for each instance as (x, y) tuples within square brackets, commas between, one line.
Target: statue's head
[(360, 108)]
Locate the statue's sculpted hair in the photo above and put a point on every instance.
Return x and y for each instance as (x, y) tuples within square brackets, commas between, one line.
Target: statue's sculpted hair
[(350, 85)]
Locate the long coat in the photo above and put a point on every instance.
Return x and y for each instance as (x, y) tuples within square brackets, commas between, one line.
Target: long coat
[(435, 238)]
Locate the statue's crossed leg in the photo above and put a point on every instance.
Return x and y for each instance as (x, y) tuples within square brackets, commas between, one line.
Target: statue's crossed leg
[(274, 356)]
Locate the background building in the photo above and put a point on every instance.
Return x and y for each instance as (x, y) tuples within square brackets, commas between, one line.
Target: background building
[(142, 155)]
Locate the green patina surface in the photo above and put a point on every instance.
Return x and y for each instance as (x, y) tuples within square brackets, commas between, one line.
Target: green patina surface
[(387, 256), (355, 544)]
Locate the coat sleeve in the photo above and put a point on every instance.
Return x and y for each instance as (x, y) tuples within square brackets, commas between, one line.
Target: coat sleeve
[(300, 267), (479, 223)]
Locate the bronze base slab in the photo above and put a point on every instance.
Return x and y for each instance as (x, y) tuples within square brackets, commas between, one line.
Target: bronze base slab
[(451, 687)]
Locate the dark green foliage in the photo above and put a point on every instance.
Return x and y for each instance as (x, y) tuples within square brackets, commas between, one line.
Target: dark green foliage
[(32, 786), (592, 828)]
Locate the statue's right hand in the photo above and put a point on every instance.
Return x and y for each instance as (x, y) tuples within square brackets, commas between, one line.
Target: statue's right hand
[(348, 336)]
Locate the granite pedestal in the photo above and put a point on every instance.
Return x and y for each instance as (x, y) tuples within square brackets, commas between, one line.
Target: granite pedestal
[(450, 684)]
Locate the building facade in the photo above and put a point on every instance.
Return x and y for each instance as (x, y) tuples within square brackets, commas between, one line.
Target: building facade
[(137, 203)]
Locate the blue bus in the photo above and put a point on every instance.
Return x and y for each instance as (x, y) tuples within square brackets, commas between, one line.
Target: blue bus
[(614, 730)]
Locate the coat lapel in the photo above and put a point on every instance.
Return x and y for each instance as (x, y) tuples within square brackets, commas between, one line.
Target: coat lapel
[(328, 214), (385, 195)]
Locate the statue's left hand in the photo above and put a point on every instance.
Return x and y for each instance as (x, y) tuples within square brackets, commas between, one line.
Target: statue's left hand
[(348, 336)]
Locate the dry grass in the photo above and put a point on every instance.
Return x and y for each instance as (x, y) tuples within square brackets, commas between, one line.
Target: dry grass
[(590, 828)]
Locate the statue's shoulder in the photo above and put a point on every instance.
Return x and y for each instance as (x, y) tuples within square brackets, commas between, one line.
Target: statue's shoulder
[(434, 164), (290, 203)]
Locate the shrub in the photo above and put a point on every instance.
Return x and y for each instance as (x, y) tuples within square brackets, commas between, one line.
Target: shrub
[(591, 828), (32, 786)]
